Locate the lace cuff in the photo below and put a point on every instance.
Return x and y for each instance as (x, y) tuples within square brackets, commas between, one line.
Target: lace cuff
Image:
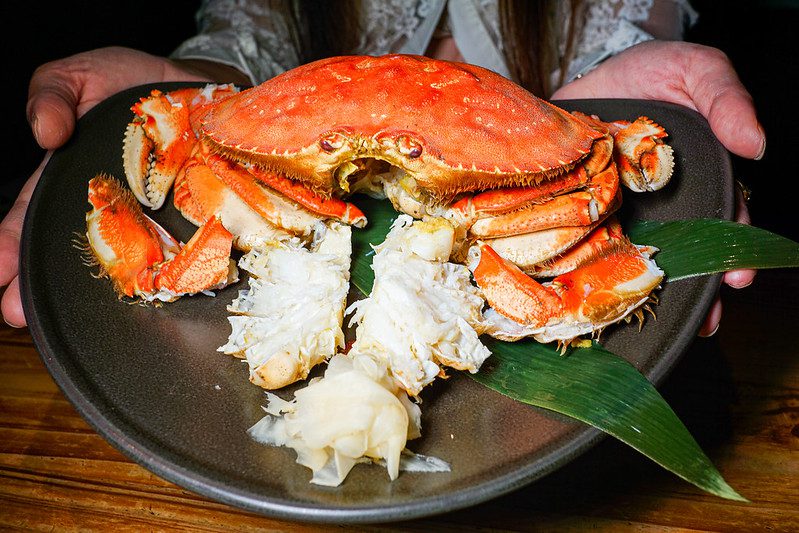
[(626, 35)]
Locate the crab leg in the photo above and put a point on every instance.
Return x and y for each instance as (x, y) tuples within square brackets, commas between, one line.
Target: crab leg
[(327, 207), (507, 199), (272, 206), (141, 258), (126, 261), (499, 201), (531, 249), (203, 263), (596, 243), (512, 293), (579, 208), (200, 195), (212, 185)]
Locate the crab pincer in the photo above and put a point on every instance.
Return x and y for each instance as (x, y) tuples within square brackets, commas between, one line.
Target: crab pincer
[(141, 258), (612, 280)]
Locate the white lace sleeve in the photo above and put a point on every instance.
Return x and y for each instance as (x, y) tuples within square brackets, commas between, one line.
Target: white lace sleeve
[(256, 39), (611, 27), (244, 34)]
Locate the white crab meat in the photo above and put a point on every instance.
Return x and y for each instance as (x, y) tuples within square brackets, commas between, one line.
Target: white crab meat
[(423, 312), (290, 318)]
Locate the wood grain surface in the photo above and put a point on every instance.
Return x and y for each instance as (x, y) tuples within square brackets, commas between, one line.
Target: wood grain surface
[(737, 392)]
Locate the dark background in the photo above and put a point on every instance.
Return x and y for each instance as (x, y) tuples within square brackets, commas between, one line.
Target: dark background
[(760, 37)]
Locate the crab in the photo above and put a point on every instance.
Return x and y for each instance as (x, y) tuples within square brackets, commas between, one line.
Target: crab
[(528, 187), (515, 174)]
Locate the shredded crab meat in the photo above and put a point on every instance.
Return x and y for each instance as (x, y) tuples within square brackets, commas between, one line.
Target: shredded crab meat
[(423, 314), (290, 317)]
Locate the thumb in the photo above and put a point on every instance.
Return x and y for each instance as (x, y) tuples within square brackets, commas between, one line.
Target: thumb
[(721, 97), (51, 109)]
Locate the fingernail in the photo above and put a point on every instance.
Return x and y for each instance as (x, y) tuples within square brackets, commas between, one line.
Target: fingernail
[(745, 285), (712, 332), (739, 279), (36, 128), (762, 150)]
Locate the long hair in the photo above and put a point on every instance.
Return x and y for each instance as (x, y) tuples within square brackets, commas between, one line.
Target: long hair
[(530, 39), (528, 27)]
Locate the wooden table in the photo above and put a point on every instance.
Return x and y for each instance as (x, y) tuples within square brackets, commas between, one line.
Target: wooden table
[(738, 393)]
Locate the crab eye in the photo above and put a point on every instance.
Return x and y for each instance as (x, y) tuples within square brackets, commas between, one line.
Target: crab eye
[(409, 146), (332, 142)]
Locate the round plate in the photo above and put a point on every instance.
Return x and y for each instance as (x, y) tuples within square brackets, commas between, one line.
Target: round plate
[(152, 383)]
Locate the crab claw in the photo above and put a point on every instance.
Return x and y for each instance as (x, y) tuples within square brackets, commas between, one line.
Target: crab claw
[(645, 163), (157, 144), (141, 258), (162, 137), (603, 290)]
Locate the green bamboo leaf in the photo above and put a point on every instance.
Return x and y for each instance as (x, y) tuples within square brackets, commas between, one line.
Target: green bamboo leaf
[(380, 215), (706, 246), (601, 389)]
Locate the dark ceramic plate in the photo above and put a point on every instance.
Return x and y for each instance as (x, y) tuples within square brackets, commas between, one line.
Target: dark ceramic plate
[(151, 382)]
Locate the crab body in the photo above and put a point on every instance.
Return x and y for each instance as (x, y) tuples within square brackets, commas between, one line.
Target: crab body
[(452, 127)]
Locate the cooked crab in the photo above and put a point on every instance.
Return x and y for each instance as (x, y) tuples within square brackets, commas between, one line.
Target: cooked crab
[(449, 140), (505, 183), (521, 176)]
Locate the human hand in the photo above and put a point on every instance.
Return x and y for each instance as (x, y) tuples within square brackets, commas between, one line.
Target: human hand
[(62, 91), (700, 78), (10, 231)]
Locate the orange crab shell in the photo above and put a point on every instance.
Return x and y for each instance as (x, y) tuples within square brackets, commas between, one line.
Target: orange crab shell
[(453, 127)]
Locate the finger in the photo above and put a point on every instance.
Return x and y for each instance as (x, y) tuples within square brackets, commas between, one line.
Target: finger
[(11, 306), (720, 96), (712, 321), (11, 228), (53, 98), (738, 279)]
